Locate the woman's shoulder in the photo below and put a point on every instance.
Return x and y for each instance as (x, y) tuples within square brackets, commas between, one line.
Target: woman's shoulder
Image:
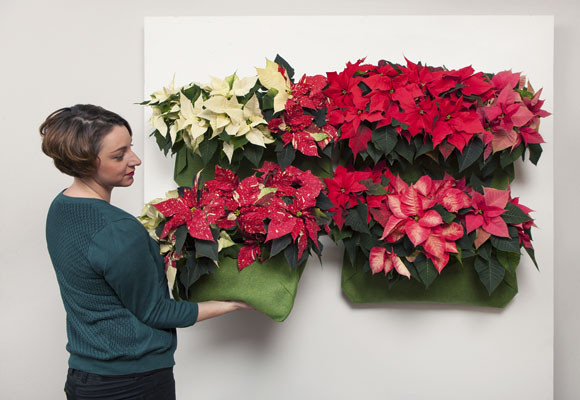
[(89, 211)]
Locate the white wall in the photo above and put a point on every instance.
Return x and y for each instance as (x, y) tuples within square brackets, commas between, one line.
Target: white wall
[(341, 351), (58, 53)]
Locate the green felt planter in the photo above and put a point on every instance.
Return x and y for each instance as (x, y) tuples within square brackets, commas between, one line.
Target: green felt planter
[(269, 287), (457, 284)]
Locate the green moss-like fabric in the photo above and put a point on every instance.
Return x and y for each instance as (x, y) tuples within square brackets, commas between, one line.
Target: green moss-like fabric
[(269, 287), (457, 284)]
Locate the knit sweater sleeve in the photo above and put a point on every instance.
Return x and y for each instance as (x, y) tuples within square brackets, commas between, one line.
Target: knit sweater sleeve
[(121, 252)]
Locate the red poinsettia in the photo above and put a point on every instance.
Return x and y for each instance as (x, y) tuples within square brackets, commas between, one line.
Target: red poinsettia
[(189, 210), (524, 227), (486, 214), (345, 191)]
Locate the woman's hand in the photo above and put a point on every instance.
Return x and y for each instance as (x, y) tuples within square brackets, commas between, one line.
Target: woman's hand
[(211, 309)]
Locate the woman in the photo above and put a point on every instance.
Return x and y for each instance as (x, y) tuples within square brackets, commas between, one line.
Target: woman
[(120, 319)]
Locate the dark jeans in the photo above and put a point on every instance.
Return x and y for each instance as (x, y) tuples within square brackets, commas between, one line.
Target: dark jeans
[(151, 385)]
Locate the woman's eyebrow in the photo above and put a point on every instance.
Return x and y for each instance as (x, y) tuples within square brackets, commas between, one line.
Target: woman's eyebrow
[(120, 148)]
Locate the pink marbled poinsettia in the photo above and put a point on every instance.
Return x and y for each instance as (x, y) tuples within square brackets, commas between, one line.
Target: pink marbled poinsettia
[(485, 217), (380, 259)]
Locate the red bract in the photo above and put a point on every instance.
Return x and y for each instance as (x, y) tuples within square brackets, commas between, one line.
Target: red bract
[(248, 254), (485, 216), (186, 210), (344, 191), (504, 114), (456, 124), (299, 129), (524, 227), (341, 85)]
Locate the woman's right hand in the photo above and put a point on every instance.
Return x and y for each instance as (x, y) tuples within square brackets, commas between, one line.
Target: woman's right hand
[(211, 309)]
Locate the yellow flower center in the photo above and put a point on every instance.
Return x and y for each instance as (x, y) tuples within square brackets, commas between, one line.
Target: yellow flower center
[(344, 91), (237, 212), (299, 214)]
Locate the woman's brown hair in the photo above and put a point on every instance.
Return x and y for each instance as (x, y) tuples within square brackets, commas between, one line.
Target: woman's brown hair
[(72, 137)]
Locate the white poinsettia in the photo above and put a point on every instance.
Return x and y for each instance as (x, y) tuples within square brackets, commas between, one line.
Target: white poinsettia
[(271, 78), (151, 217), (165, 93), (189, 122), (253, 125), (230, 86), (219, 111)]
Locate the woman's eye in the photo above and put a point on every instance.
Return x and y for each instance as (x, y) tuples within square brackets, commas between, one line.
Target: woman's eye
[(119, 157)]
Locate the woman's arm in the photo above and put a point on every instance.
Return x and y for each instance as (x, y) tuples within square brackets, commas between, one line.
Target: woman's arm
[(210, 309)]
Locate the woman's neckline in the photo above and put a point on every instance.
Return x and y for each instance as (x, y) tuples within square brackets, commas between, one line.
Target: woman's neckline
[(66, 196)]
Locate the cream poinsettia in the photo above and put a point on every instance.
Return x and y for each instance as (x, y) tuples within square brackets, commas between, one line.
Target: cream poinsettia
[(271, 78), (230, 86), (190, 123), (151, 217)]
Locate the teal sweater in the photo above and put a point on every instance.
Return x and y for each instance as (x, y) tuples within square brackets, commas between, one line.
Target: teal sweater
[(120, 319)]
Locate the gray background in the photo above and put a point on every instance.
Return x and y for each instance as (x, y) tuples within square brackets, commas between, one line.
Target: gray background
[(58, 53)]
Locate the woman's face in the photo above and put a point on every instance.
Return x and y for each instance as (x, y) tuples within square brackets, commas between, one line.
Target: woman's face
[(116, 161)]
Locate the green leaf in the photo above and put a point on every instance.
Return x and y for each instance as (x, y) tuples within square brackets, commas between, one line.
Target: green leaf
[(268, 99), (194, 164), (426, 270), (180, 160), (323, 202), (291, 255), (206, 248), (280, 61), (445, 215), (338, 234), (254, 154), (320, 117), (373, 188), (357, 219), (280, 244), (485, 251), (508, 260), (350, 245), (490, 272), (423, 147), (374, 152), (180, 236), (192, 93), (500, 180), (396, 122), (207, 148), (365, 89), (532, 255), (405, 150), (535, 152), (471, 154), (514, 215), (476, 183), (511, 244), (285, 156)]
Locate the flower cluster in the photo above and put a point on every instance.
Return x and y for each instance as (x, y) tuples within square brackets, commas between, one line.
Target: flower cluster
[(447, 108), (228, 106), (303, 124), (433, 218), (262, 215)]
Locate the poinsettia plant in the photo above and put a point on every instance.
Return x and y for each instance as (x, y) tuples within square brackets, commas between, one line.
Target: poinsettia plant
[(414, 230), (424, 119), (239, 123), (271, 212)]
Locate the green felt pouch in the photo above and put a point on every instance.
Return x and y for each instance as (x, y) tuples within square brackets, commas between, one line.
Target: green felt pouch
[(457, 284), (269, 287)]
